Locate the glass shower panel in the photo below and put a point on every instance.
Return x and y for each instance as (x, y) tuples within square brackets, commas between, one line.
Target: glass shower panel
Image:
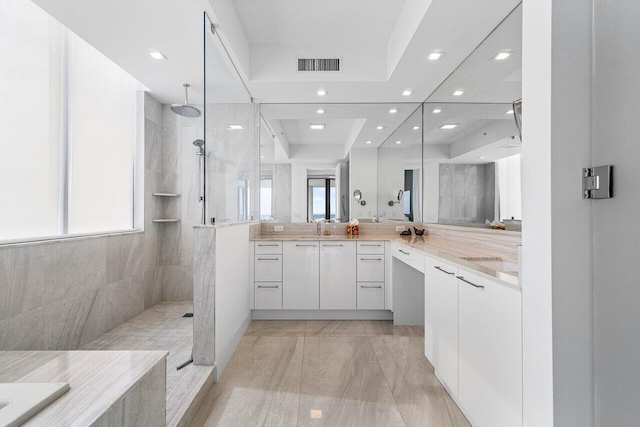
[(231, 138)]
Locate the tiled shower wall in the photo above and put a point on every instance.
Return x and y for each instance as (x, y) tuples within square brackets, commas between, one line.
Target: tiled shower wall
[(61, 294), (467, 193), (231, 163)]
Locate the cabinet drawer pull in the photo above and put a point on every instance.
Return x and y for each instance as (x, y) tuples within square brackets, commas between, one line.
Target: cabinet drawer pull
[(444, 271), (268, 259), (331, 245), (269, 287), (370, 259), (305, 245), (259, 244), (374, 287), (466, 281), (406, 253), (362, 244)]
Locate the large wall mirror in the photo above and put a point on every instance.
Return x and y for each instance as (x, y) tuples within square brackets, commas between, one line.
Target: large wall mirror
[(454, 159)]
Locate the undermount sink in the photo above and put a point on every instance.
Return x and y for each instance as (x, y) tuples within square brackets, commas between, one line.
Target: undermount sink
[(494, 263), (21, 401)]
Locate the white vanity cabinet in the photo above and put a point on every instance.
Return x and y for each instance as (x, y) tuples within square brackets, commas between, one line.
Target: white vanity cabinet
[(490, 353), (370, 274), (338, 275), (301, 275), (267, 271), (441, 320)]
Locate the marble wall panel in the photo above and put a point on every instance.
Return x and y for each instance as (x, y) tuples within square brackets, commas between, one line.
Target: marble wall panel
[(61, 294)]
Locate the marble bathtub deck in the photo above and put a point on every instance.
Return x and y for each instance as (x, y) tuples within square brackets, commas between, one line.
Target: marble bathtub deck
[(105, 386), (162, 327), (333, 373)]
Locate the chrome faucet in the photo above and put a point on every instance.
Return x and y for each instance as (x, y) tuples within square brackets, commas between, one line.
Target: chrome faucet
[(318, 228)]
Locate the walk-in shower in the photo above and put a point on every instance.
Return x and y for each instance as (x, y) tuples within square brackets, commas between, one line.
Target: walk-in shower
[(186, 110)]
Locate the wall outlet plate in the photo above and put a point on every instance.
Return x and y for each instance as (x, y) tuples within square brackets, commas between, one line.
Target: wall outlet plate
[(399, 227), (278, 228)]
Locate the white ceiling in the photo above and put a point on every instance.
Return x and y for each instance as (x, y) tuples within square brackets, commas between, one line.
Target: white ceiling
[(484, 79), (312, 23), (383, 44)]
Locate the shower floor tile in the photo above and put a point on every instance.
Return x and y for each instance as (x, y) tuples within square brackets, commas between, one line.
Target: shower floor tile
[(162, 327)]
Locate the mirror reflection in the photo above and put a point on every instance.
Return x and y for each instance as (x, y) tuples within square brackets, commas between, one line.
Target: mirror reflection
[(453, 160), (400, 172)]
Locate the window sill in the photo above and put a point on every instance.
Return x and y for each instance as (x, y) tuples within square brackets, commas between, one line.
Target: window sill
[(64, 238)]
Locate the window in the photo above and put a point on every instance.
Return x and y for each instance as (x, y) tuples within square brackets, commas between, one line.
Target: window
[(67, 144), (321, 199), (266, 199)]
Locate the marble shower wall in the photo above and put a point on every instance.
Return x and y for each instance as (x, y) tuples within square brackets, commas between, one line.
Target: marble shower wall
[(231, 163), (60, 294), (179, 175), (467, 193), (282, 192)]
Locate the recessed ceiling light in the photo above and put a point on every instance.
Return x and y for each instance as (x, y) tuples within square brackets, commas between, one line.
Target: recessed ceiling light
[(437, 111), (398, 142), (393, 111), (407, 93), (316, 127), (322, 92), (502, 55), (263, 157), (234, 127), (416, 127), (449, 126), (320, 111), (380, 127), (434, 56), (481, 157), (368, 142), (458, 93), (509, 112), (156, 54)]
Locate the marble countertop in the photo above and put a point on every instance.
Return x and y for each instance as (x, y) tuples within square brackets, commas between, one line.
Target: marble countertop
[(440, 247), (98, 379)]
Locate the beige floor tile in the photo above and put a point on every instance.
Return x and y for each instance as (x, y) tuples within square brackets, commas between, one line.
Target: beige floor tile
[(260, 386), (335, 328), (276, 328), (421, 398), (343, 383), (386, 327)]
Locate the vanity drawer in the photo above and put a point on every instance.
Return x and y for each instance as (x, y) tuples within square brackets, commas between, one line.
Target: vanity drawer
[(268, 296), (371, 248), (370, 268), (409, 256), (370, 296), (268, 247), (268, 268)]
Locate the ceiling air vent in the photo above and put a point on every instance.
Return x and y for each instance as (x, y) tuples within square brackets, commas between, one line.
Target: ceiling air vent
[(318, 64)]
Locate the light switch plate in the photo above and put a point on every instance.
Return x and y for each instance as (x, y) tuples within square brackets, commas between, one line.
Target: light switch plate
[(278, 228), (399, 227)]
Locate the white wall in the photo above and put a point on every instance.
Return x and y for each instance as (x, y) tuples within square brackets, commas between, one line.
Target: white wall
[(363, 176), (616, 232), (556, 279), (232, 287)]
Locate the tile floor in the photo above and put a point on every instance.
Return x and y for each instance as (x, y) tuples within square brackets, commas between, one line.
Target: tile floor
[(333, 373), (162, 327)]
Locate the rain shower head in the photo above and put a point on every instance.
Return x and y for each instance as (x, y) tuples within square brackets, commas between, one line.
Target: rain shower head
[(198, 143), (185, 110)]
